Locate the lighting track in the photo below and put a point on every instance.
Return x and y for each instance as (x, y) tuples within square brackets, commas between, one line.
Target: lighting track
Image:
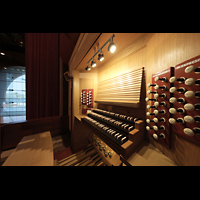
[(111, 48)]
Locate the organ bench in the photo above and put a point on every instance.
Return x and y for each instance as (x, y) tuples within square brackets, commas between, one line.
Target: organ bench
[(33, 150)]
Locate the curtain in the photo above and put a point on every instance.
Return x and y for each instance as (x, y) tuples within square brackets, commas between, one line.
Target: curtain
[(42, 75)]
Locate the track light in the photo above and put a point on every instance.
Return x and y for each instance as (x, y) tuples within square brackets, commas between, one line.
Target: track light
[(93, 63), (88, 68), (100, 56), (111, 48)]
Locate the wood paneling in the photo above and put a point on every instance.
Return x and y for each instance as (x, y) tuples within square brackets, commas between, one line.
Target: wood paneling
[(165, 50), (122, 40), (125, 88), (155, 52)]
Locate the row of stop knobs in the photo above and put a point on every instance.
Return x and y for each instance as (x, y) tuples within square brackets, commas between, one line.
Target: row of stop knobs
[(187, 106), (86, 97)]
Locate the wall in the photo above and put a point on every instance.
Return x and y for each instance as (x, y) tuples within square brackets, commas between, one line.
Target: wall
[(83, 81), (156, 52)]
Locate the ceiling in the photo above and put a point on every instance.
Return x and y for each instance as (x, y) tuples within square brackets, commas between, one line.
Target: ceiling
[(67, 44), (122, 41), (13, 45)]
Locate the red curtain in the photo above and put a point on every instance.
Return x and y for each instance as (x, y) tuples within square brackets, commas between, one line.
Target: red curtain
[(42, 75)]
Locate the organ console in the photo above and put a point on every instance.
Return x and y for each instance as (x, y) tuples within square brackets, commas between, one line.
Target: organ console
[(111, 126), (116, 129)]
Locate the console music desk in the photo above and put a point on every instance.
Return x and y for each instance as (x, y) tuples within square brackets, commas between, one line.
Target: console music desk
[(33, 150)]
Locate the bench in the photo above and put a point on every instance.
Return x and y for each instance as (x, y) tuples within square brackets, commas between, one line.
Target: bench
[(33, 150)]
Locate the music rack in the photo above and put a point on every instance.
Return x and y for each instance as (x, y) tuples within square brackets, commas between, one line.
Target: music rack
[(123, 90)]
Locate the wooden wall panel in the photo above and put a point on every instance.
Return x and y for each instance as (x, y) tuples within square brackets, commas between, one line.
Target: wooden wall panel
[(125, 88), (155, 52), (115, 67)]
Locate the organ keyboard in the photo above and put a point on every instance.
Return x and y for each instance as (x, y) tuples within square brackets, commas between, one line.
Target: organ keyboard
[(122, 133)]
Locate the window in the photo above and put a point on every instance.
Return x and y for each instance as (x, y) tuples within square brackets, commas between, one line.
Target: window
[(12, 94)]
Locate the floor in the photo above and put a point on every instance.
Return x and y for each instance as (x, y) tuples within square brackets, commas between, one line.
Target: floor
[(144, 155), (61, 147), (61, 142), (147, 155)]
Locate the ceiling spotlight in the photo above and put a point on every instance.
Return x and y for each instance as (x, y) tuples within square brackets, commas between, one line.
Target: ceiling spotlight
[(88, 68), (3, 54), (112, 47), (93, 63), (100, 56)]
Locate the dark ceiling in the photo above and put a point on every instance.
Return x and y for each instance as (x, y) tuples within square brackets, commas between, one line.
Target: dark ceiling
[(67, 44), (13, 45)]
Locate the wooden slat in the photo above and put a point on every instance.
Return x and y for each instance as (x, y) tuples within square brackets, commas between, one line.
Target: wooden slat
[(124, 88)]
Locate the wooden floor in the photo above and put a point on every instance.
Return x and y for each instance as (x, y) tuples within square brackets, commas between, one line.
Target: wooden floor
[(144, 155), (147, 155)]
